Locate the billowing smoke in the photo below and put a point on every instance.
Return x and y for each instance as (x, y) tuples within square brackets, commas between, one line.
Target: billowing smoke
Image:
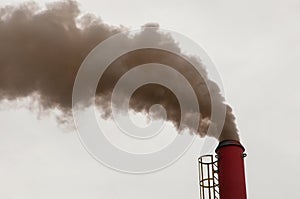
[(41, 51)]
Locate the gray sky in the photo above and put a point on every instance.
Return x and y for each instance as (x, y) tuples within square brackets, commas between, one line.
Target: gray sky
[(254, 44)]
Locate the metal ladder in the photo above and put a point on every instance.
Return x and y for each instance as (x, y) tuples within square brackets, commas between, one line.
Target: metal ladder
[(208, 177)]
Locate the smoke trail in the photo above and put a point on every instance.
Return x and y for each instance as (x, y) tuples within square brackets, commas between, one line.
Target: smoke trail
[(42, 49)]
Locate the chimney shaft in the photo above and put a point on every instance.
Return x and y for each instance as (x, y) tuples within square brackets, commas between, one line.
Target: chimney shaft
[(231, 170)]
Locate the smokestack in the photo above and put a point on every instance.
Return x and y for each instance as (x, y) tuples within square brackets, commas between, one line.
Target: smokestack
[(223, 178), (231, 172)]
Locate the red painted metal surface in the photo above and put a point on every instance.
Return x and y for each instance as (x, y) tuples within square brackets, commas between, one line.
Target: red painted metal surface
[(231, 170)]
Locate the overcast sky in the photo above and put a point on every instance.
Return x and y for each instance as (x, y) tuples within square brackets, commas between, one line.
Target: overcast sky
[(255, 46)]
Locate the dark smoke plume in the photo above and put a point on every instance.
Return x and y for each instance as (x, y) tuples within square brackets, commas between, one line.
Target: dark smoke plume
[(41, 51)]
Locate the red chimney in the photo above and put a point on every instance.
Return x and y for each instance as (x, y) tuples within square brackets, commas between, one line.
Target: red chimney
[(231, 174), (223, 178)]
